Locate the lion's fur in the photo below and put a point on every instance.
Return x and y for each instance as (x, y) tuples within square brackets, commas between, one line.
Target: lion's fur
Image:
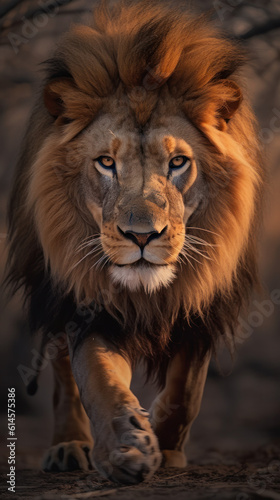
[(173, 55)]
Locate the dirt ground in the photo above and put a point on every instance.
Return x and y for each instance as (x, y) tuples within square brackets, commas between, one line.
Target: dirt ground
[(222, 477)]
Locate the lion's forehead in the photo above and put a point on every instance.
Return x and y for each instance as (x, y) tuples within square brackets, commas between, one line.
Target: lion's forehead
[(162, 137)]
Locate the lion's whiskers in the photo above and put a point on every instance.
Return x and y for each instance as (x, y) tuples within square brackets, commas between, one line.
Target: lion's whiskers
[(103, 259), (200, 241), (188, 246), (180, 260), (88, 242), (202, 229), (197, 240), (187, 257), (106, 258), (95, 250), (86, 245), (93, 243)]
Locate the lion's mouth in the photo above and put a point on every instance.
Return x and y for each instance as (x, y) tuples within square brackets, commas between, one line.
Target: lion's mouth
[(141, 263), (142, 274)]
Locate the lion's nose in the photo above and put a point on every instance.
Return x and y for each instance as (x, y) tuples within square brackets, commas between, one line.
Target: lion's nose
[(142, 239)]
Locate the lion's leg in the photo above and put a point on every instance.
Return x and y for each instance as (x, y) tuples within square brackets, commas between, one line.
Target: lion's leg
[(72, 440), (125, 447), (177, 406)]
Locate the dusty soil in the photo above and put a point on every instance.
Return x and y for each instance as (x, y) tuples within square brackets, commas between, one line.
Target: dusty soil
[(229, 476)]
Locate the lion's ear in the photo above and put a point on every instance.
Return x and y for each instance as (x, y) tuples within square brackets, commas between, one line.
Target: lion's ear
[(216, 105), (232, 98), (56, 93), (66, 102)]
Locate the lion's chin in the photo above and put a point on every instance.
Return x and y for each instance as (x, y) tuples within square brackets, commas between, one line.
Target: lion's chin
[(151, 277)]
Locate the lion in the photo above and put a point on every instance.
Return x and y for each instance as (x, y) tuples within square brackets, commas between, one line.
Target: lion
[(133, 227)]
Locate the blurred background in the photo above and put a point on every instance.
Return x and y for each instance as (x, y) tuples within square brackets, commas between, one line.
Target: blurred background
[(241, 405)]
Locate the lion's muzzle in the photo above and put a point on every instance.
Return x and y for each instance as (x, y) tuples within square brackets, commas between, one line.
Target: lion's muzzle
[(142, 239)]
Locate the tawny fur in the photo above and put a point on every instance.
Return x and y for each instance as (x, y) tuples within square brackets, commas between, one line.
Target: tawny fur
[(173, 57)]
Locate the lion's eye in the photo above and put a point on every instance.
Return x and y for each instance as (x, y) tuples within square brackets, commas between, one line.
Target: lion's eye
[(179, 162), (106, 162)]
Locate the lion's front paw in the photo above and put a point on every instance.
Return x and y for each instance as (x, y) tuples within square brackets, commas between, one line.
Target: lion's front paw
[(129, 453), (68, 456)]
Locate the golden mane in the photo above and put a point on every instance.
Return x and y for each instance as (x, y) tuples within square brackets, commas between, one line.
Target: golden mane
[(144, 52)]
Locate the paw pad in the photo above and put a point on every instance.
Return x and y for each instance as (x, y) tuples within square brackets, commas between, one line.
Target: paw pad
[(132, 448), (68, 456)]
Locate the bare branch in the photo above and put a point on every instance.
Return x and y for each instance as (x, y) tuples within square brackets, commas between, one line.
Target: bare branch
[(8, 6)]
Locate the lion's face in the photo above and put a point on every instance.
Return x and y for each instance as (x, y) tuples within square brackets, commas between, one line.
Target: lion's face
[(137, 187), (141, 169)]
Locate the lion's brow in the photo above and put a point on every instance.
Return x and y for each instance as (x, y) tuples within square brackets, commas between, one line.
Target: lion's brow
[(169, 143), (115, 145)]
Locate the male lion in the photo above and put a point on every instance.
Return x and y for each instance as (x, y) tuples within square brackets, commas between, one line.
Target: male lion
[(133, 225)]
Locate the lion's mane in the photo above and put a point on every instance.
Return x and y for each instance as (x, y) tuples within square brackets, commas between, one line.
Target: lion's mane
[(141, 49)]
